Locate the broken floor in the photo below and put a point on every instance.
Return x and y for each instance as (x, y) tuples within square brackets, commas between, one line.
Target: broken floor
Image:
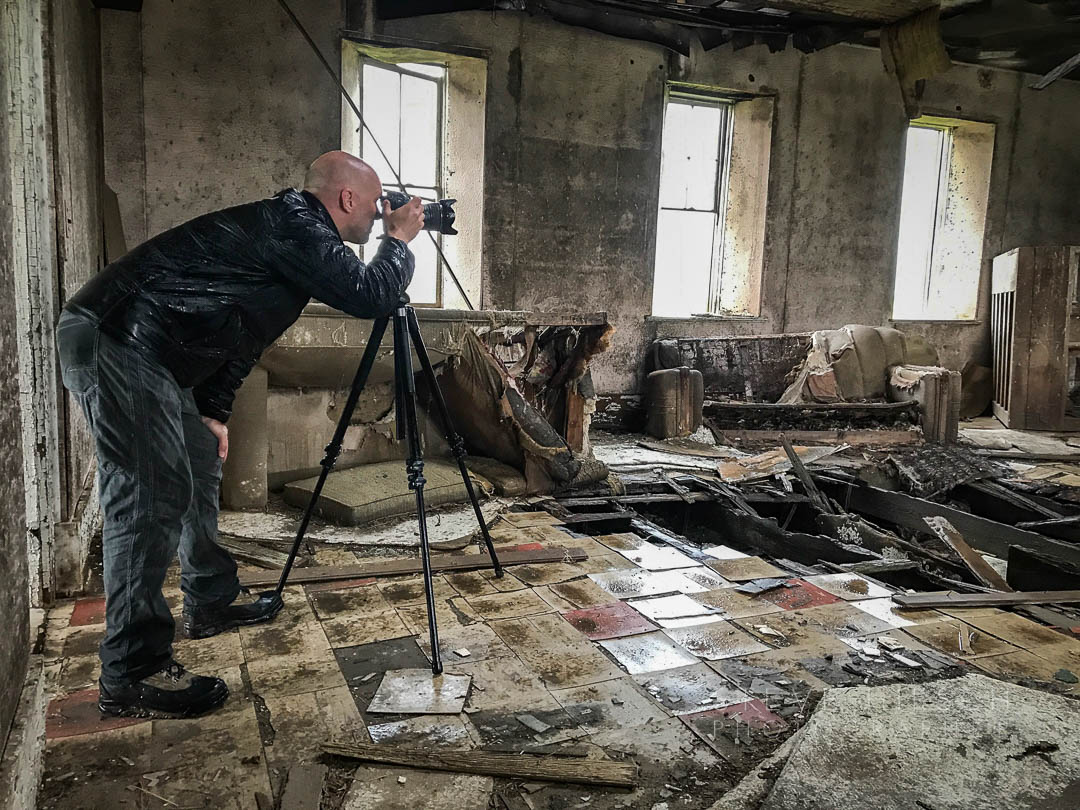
[(640, 652)]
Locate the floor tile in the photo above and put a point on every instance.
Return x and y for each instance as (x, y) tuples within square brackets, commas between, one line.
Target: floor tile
[(357, 599), (690, 689), (379, 788), (608, 621), (349, 630), (744, 569), (716, 640), (583, 593), (1023, 666), (507, 582), (690, 621), (338, 585), (73, 766), (706, 577), (553, 599), (546, 574), (647, 555), (471, 583), (648, 652), (850, 587), (504, 684), (478, 639), (635, 582), (88, 611), (609, 705), (679, 606), (302, 723), (554, 650), (779, 689), (888, 611), (448, 612), (723, 553), (84, 640), (523, 520), (1027, 634), (418, 691), (509, 605), (443, 731), (364, 665), (521, 731), (78, 713), (740, 733), (798, 594), (603, 563), (79, 672), (731, 604), (209, 656), (410, 590), (958, 639)]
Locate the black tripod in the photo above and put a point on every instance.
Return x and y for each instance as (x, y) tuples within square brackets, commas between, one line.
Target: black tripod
[(406, 331)]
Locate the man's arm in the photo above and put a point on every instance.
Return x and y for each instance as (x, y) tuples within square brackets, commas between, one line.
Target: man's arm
[(214, 395), (312, 256)]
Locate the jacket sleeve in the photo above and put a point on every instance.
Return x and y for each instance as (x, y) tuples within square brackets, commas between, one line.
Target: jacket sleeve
[(311, 255), (214, 395)]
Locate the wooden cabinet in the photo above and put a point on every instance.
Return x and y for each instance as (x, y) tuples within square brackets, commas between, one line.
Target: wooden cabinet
[(1035, 329)]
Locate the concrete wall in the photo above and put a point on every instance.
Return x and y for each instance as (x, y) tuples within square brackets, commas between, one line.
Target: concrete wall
[(14, 595), (233, 105)]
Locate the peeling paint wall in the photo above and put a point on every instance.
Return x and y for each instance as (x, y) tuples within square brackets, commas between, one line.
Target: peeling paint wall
[(234, 105)]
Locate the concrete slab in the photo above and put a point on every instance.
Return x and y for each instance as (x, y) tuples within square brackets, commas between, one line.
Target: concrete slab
[(986, 744), (716, 640), (609, 621), (648, 652), (689, 689)]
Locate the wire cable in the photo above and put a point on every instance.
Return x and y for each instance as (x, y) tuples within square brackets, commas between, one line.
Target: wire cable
[(360, 117)]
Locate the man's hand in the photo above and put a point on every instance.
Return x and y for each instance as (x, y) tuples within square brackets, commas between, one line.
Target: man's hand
[(221, 433), (404, 223)]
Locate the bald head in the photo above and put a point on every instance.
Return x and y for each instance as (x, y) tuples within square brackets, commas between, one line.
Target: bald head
[(349, 188)]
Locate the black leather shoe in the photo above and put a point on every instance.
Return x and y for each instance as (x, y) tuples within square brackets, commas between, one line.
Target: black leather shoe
[(170, 692), (209, 621)]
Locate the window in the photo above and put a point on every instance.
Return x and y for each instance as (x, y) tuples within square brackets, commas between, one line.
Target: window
[(402, 105), (711, 219), (942, 219), (427, 111)]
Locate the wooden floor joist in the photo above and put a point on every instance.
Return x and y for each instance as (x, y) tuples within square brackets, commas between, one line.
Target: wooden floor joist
[(982, 570), (548, 768), (411, 565), (955, 599)]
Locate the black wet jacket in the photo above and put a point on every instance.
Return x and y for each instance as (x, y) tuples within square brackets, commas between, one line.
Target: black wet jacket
[(207, 297)]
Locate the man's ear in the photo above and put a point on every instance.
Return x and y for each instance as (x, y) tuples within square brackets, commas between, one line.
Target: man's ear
[(347, 200)]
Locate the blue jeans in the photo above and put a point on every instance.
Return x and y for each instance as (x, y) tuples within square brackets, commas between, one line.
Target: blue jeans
[(158, 480)]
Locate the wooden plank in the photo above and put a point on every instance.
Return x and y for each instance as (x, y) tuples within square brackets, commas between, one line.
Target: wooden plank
[(812, 491), (909, 511), (252, 552), (879, 11), (548, 768), (602, 522), (1030, 570), (982, 570), (1017, 455), (1066, 67), (941, 599), (575, 420), (439, 562), (862, 438)]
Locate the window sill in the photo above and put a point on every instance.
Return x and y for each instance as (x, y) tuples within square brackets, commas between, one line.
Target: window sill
[(938, 321), (702, 318)]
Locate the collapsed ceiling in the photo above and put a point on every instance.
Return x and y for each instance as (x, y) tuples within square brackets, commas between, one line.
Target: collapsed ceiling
[(1023, 35)]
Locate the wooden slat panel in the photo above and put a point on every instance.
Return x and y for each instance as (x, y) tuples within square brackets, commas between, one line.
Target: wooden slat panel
[(1047, 356)]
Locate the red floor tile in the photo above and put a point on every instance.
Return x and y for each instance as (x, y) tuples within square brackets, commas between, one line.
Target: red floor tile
[(609, 621), (755, 714), (524, 547), (339, 585), (78, 713), (88, 611), (800, 594)]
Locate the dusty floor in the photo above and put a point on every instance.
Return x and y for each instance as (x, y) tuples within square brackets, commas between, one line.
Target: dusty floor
[(637, 652)]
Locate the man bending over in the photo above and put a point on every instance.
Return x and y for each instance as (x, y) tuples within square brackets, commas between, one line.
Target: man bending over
[(153, 348)]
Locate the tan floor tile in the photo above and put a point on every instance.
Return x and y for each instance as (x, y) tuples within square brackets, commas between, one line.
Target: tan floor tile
[(478, 638), (1023, 665), (610, 705), (583, 593), (503, 684), (744, 569), (382, 788), (448, 612), (79, 672), (556, 651), (410, 591), (603, 562), (471, 583), (546, 573), (210, 655), (1029, 635), (509, 605), (302, 723), (361, 599), (553, 599), (735, 605), (960, 640), (350, 629)]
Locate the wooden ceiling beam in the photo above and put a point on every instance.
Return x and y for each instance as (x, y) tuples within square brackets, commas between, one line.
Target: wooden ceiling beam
[(878, 11)]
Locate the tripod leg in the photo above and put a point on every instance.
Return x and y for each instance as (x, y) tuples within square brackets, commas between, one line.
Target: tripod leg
[(333, 449), (457, 445), (409, 430)]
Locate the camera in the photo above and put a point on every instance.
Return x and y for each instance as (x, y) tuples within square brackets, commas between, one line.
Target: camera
[(438, 216)]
